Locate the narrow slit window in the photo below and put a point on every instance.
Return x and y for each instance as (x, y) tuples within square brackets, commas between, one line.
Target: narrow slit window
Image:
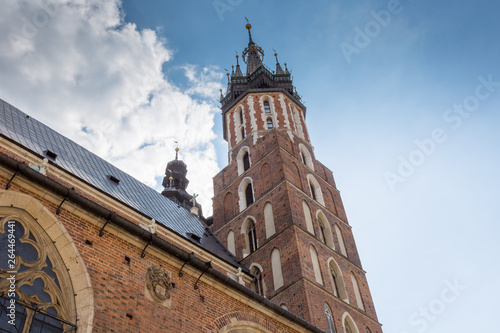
[(267, 109), (270, 124)]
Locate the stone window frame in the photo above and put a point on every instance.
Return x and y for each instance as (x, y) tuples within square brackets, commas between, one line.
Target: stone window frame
[(277, 269), (306, 156), (327, 230), (240, 159), (79, 276), (245, 226), (242, 191), (338, 285), (259, 286), (315, 189), (348, 321), (315, 263)]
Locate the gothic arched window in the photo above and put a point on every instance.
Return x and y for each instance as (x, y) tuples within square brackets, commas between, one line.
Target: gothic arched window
[(257, 284), (44, 298), (267, 109), (270, 124), (326, 231), (252, 236), (249, 194), (245, 192), (341, 240), (329, 319), (246, 161), (337, 280), (316, 192), (243, 160)]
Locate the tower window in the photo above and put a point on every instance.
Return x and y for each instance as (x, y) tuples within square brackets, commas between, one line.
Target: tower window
[(242, 132), (245, 193), (252, 237), (335, 282), (267, 109), (329, 319), (322, 229), (257, 284), (241, 117), (270, 124), (246, 162), (249, 194)]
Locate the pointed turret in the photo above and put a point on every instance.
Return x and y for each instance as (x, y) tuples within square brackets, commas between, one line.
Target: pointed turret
[(238, 72), (279, 70)]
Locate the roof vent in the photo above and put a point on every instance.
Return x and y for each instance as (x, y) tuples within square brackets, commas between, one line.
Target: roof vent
[(195, 237), (114, 179), (50, 154)]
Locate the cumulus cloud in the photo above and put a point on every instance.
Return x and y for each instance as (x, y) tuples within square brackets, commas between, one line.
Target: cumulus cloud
[(80, 68)]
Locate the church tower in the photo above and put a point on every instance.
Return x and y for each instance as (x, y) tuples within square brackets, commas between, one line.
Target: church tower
[(277, 208)]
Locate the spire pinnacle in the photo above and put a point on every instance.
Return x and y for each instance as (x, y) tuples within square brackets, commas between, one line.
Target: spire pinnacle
[(279, 70), (176, 150), (252, 53)]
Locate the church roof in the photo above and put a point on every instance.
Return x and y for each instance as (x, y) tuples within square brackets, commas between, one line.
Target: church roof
[(95, 171)]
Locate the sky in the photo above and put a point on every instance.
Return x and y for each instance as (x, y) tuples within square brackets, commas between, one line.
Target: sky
[(402, 98)]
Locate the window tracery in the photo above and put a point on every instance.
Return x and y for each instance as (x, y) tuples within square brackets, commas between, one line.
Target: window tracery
[(43, 293)]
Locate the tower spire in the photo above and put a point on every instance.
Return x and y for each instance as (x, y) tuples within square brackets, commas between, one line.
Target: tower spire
[(252, 53)]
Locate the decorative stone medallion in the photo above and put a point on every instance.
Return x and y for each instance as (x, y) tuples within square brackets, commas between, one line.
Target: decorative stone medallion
[(158, 283)]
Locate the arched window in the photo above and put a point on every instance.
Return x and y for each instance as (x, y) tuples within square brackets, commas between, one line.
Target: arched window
[(337, 280), (329, 319), (276, 266), (245, 192), (270, 124), (257, 284), (269, 219), (44, 295), (315, 263), (243, 160), (316, 192), (349, 325), (307, 217), (326, 231), (249, 194), (241, 116), (341, 240), (306, 157), (242, 131), (230, 242), (368, 330), (252, 237), (246, 161), (267, 109), (355, 286)]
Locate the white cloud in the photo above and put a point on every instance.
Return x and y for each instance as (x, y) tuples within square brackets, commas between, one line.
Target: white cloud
[(81, 69)]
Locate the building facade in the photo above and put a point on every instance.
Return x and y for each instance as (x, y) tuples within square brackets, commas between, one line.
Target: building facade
[(84, 247)]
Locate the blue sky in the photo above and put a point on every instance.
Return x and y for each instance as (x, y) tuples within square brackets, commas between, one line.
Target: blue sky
[(407, 119)]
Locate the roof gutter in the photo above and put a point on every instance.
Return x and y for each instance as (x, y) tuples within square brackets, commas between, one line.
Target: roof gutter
[(136, 230)]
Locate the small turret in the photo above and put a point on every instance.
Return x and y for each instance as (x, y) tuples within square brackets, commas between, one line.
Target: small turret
[(175, 184)]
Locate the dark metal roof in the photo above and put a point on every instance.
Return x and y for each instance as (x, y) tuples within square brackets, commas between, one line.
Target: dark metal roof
[(78, 161)]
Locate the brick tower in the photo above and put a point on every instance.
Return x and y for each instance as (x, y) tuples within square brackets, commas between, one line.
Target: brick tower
[(278, 209)]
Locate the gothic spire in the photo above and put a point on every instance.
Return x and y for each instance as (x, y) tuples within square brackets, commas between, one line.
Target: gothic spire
[(252, 53), (279, 70), (238, 69)]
